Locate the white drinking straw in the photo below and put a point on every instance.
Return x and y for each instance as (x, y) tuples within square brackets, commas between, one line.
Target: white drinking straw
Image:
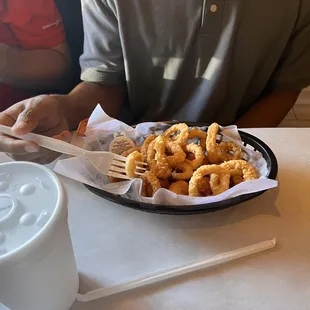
[(178, 271)]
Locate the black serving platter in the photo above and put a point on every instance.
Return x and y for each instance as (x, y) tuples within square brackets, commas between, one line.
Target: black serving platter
[(248, 140)]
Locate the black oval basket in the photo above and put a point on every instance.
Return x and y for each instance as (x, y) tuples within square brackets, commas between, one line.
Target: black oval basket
[(248, 140)]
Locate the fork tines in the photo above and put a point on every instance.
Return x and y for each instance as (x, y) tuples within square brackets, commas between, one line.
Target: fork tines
[(117, 168)]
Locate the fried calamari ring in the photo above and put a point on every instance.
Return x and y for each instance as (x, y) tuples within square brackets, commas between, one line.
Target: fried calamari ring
[(150, 184), (161, 170), (191, 156), (181, 137), (178, 155), (131, 165), (131, 150), (205, 161), (179, 188), (156, 151), (156, 158), (182, 171), (240, 168), (211, 143), (198, 133), (151, 153), (235, 180), (164, 183), (224, 151), (229, 151), (216, 182), (160, 149), (204, 187), (198, 153), (145, 145), (218, 185)]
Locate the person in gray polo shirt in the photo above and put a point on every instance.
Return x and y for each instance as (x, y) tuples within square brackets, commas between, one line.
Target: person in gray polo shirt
[(230, 61)]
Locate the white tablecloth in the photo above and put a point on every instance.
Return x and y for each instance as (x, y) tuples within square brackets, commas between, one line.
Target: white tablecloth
[(133, 244)]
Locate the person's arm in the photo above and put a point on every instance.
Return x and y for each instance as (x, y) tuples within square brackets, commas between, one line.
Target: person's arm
[(269, 111), (102, 66), (80, 103), (290, 76), (34, 69), (104, 82), (42, 60), (102, 72)]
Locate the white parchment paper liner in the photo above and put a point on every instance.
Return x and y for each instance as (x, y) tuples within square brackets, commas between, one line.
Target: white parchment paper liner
[(100, 133)]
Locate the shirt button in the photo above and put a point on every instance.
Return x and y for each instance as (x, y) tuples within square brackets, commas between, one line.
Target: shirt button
[(213, 8)]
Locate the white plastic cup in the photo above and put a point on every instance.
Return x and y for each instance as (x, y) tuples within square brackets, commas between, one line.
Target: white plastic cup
[(40, 273)]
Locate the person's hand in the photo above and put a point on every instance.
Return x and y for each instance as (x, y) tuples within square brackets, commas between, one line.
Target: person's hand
[(42, 115)]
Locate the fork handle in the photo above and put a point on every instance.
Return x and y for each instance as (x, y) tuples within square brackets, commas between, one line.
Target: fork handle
[(47, 142)]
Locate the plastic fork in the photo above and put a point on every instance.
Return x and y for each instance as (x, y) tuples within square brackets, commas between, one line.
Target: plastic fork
[(107, 163)]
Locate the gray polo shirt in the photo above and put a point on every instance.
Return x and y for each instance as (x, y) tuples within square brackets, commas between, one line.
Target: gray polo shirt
[(196, 60)]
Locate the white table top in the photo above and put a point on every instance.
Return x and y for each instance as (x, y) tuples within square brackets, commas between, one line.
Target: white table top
[(135, 243)]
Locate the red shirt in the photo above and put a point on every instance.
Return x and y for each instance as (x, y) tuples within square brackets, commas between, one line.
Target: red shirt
[(28, 24)]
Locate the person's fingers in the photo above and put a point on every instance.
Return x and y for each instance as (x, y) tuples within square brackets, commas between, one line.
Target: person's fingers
[(40, 155), (34, 112), (8, 119), (13, 146), (52, 131), (9, 116)]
